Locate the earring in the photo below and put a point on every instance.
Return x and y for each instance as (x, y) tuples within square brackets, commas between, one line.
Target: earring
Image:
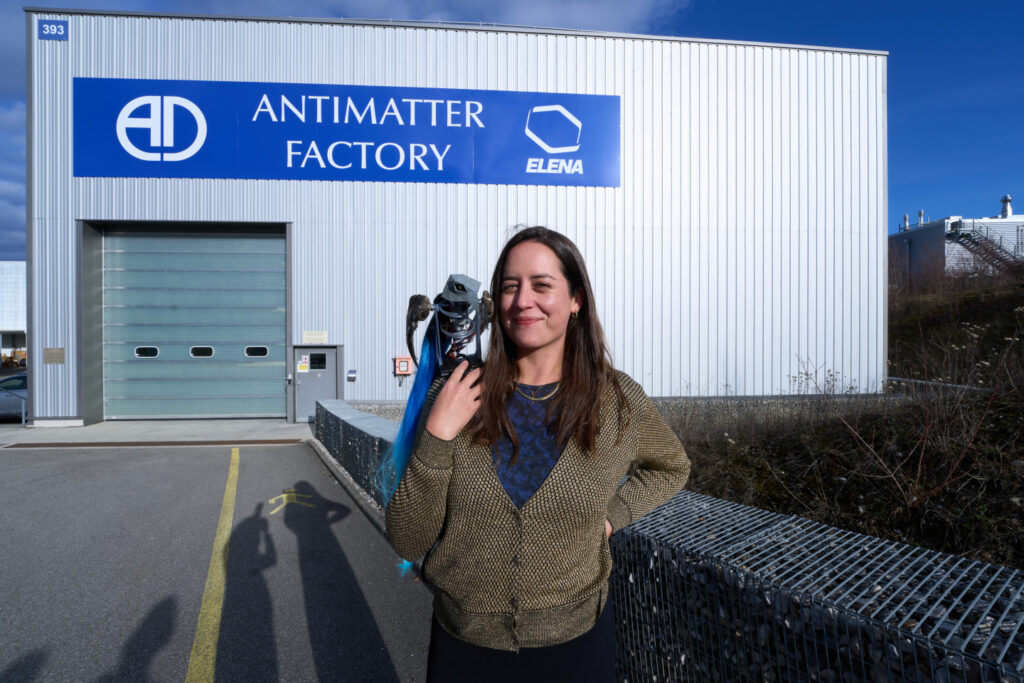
[(574, 315)]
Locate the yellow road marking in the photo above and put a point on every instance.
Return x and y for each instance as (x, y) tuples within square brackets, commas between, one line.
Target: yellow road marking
[(203, 660), (289, 496)]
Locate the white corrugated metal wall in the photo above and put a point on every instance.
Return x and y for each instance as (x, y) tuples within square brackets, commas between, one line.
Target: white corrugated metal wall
[(746, 244)]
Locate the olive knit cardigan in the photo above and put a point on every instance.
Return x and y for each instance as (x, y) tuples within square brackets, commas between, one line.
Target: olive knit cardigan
[(506, 577)]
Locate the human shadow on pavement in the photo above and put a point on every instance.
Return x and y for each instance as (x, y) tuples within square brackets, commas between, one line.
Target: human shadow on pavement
[(25, 668), (346, 642), (146, 641), (246, 649)]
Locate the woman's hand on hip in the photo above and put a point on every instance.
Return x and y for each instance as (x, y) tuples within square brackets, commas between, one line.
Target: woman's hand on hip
[(607, 529), (456, 403)]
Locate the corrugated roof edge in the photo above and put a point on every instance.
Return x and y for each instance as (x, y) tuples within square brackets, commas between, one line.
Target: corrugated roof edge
[(448, 26)]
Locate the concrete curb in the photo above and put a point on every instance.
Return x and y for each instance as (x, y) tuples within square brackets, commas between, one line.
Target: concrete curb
[(366, 504)]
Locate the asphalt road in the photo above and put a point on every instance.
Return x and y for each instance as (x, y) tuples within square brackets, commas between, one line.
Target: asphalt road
[(106, 554)]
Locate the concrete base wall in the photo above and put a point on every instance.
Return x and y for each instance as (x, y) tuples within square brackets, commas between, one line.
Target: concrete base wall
[(356, 440)]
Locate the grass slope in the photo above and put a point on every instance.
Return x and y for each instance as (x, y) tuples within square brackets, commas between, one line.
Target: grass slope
[(938, 462)]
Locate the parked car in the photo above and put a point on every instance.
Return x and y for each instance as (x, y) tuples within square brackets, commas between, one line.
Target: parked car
[(11, 388)]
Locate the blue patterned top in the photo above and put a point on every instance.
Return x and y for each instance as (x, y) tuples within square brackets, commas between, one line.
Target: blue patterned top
[(538, 449)]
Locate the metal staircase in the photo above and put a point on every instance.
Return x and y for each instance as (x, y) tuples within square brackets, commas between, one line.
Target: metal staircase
[(988, 251)]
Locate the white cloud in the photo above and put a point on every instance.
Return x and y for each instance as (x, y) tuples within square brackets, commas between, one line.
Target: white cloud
[(12, 52), (12, 116), (11, 215), (12, 231), (12, 149), (12, 221), (12, 226), (13, 170), (12, 180), (603, 15), (13, 192)]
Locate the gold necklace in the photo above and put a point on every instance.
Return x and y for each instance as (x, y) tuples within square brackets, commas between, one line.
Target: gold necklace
[(538, 398)]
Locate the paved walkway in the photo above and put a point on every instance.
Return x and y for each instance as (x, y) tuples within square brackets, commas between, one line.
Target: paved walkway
[(160, 432)]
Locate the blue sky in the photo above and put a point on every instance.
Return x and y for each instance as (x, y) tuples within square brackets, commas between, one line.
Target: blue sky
[(956, 76)]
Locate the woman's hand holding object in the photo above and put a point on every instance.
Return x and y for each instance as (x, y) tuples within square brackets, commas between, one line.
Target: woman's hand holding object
[(457, 402)]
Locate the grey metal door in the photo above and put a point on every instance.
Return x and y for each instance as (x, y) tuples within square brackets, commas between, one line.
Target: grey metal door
[(193, 323), (316, 377)]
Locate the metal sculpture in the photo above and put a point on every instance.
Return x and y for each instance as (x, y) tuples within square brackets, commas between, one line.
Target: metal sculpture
[(459, 319)]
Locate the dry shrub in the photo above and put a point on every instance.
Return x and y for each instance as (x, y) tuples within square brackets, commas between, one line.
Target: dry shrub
[(936, 461)]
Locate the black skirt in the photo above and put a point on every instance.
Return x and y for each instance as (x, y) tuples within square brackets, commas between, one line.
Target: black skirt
[(589, 657)]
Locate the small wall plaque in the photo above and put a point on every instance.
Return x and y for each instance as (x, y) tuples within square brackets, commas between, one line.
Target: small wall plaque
[(53, 356), (314, 336)]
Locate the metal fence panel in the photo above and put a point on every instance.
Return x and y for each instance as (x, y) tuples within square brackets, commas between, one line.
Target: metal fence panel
[(707, 589)]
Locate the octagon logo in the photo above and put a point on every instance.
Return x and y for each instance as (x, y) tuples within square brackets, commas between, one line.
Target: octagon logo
[(554, 129), (160, 124)]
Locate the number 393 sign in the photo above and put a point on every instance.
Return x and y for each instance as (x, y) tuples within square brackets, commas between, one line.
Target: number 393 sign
[(53, 30)]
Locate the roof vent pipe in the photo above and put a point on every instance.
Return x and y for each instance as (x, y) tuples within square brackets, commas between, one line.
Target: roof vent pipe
[(1007, 209), (920, 216)]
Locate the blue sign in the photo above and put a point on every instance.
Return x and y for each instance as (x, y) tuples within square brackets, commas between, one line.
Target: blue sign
[(50, 29), (289, 131)]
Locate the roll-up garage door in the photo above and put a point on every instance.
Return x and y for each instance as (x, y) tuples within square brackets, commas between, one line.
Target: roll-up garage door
[(193, 324)]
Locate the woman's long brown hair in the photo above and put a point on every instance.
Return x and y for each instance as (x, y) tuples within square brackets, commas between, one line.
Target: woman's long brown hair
[(587, 368)]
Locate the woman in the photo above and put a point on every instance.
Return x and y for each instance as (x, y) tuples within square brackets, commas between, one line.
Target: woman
[(513, 481)]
